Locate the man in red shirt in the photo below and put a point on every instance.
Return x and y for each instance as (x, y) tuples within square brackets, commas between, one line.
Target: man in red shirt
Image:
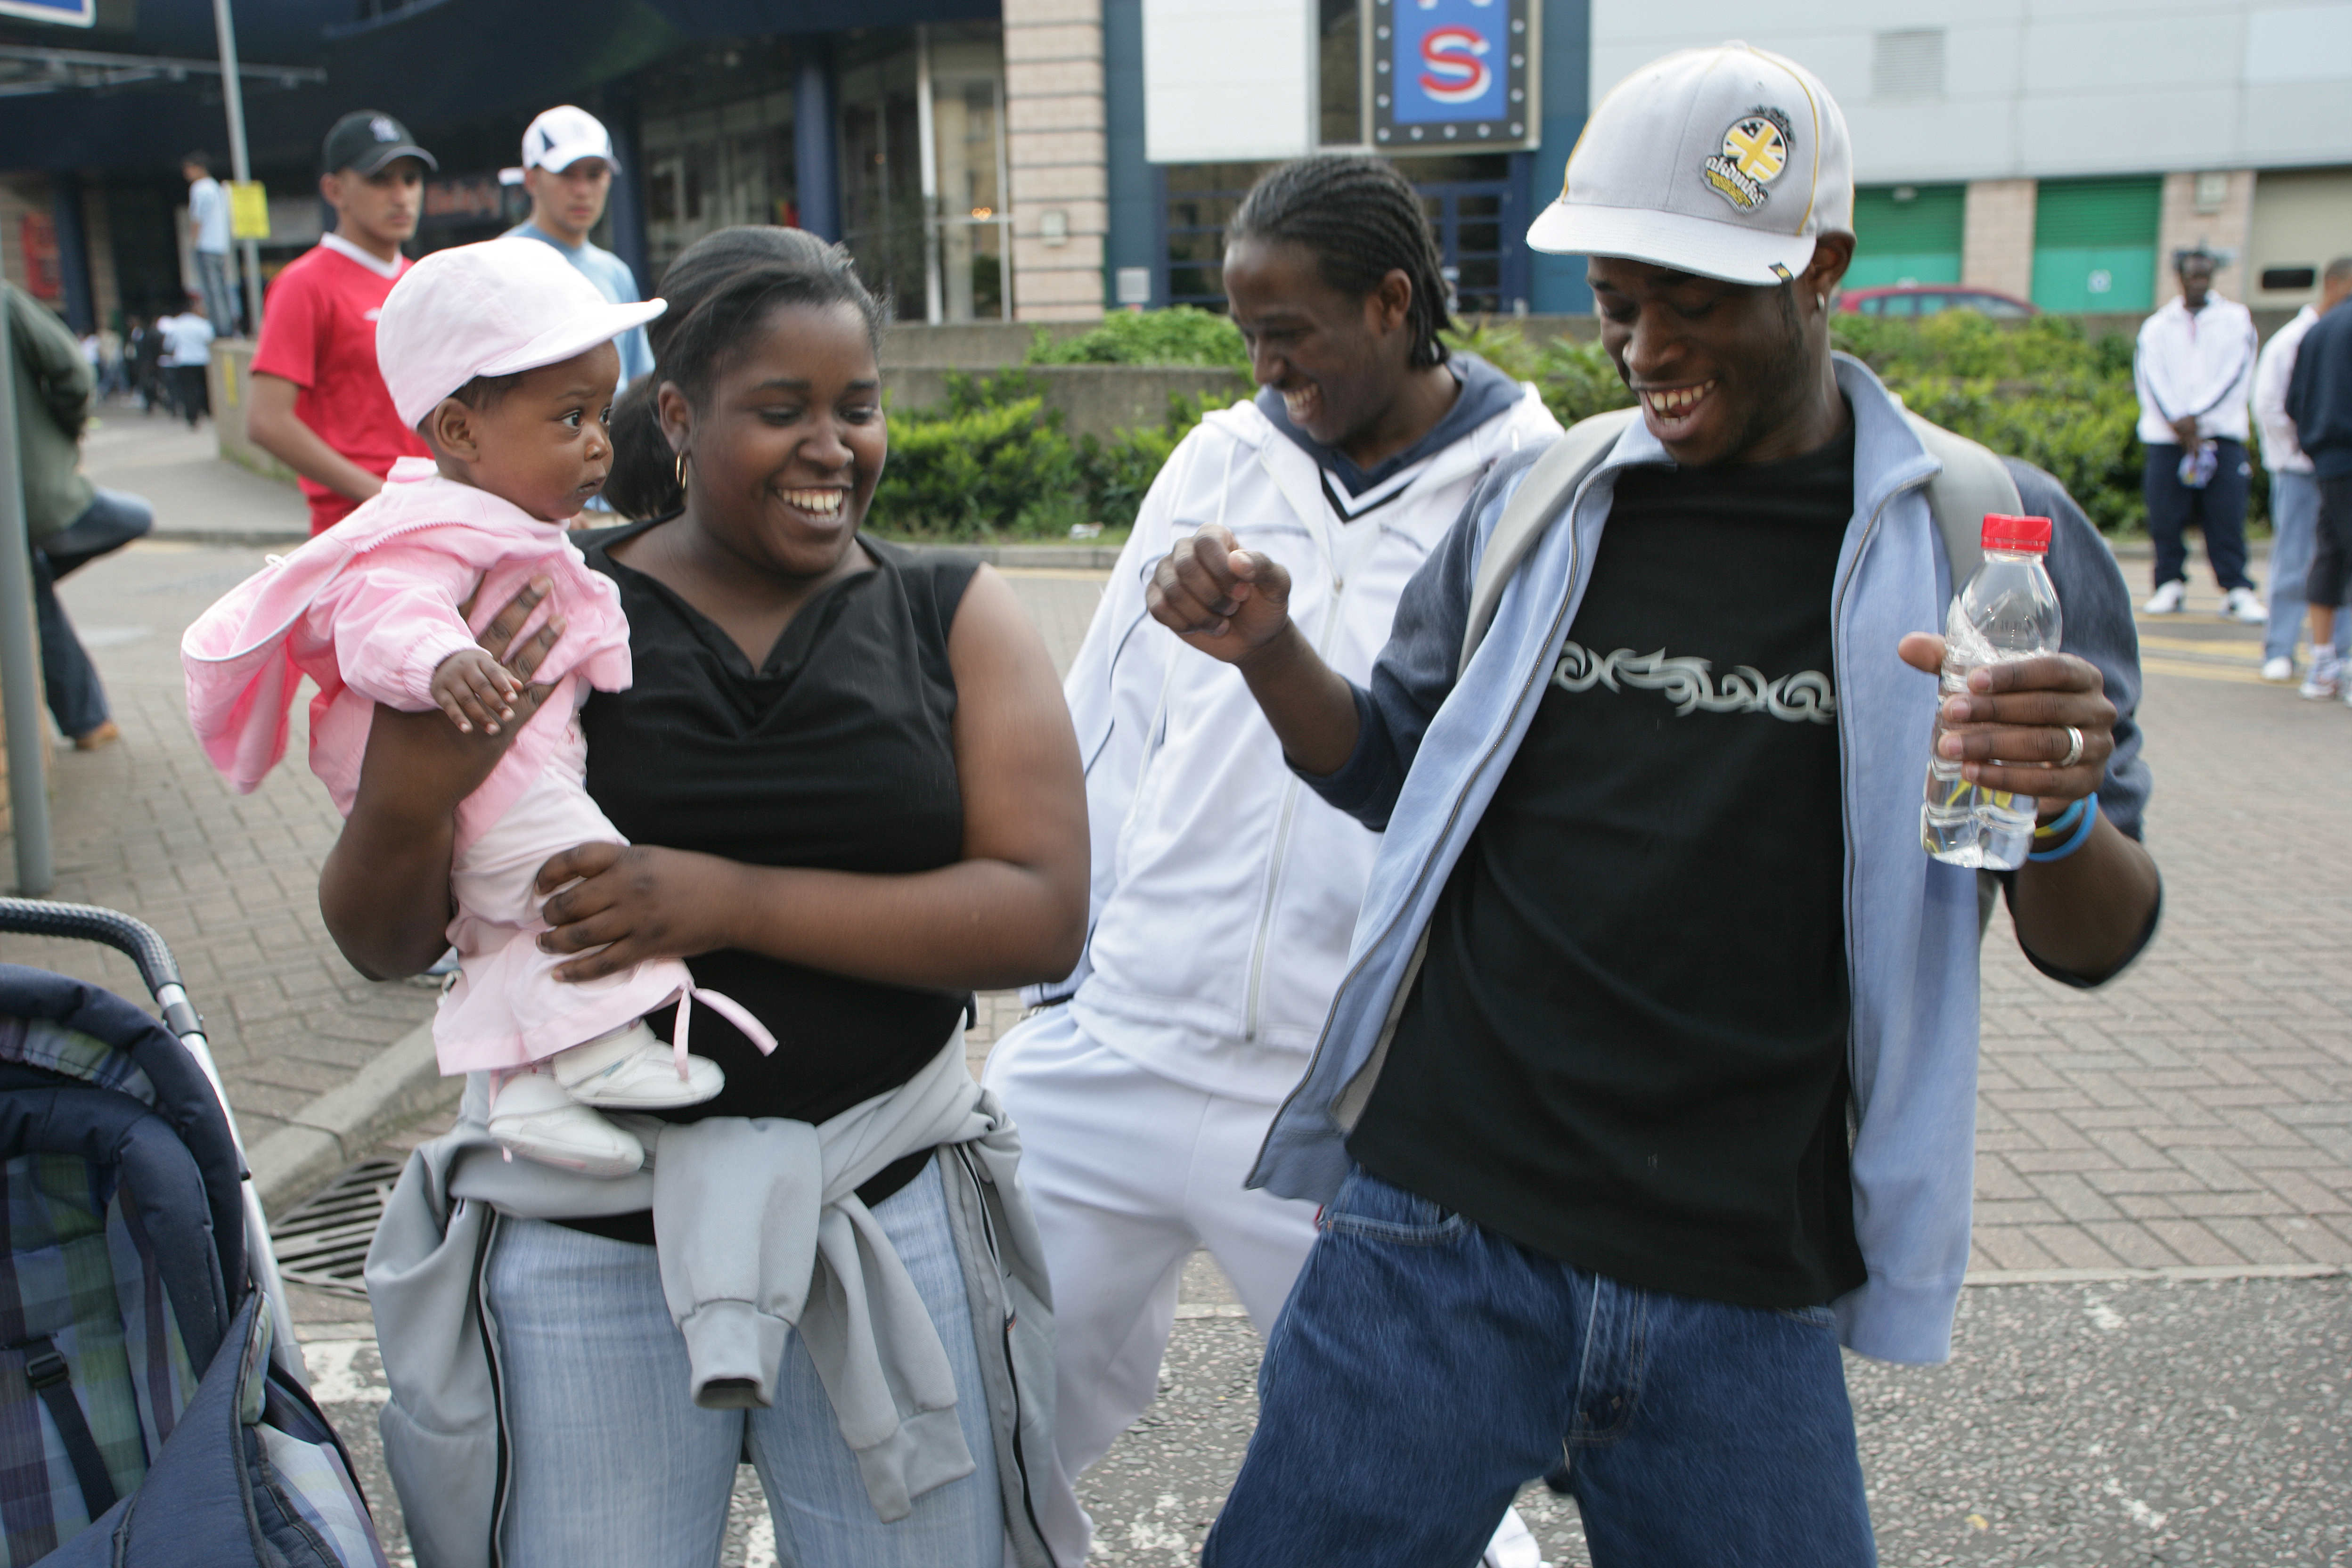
[(318, 403)]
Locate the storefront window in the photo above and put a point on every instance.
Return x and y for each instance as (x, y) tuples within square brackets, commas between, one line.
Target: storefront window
[(967, 72), (712, 167), (929, 235), (1464, 196), (1340, 75), (881, 166), (934, 236)]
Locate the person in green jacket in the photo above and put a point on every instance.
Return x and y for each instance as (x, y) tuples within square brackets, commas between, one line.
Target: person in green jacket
[(69, 522)]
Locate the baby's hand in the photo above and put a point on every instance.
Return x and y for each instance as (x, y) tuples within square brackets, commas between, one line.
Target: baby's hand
[(473, 688)]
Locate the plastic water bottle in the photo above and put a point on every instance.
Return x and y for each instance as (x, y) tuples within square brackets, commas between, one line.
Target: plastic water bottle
[(2007, 611)]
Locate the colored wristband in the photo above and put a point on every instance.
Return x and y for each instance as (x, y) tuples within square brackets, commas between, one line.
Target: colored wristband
[(2090, 804), (2061, 824)]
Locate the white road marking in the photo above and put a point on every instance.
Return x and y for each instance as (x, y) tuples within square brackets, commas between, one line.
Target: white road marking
[(335, 1381)]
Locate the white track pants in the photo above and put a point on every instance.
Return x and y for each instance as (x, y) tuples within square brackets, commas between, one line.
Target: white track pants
[(1127, 1173)]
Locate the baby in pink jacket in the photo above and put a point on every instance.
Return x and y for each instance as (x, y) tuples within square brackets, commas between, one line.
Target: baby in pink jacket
[(501, 355)]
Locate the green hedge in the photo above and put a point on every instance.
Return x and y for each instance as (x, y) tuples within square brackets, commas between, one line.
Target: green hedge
[(2039, 390), (1181, 335), (994, 462)]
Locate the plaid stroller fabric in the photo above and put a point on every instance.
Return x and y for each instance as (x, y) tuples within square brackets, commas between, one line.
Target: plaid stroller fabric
[(142, 1419)]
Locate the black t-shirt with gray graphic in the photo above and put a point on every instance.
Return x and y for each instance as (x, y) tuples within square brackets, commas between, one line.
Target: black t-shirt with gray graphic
[(1627, 1044)]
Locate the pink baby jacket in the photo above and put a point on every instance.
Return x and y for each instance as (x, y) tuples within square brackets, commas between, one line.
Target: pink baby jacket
[(369, 609)]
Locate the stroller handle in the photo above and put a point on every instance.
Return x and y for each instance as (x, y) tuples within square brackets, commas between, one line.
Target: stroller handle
[(136, 938), (160, 971)]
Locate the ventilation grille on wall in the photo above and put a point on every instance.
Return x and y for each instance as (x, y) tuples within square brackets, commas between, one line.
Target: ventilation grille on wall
[(1908, 63)]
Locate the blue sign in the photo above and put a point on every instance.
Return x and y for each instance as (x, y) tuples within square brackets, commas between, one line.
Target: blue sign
[(1446, 55), (1448, 74), (67, 13)]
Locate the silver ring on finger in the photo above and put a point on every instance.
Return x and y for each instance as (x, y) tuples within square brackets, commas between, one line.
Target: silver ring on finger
[(2074, 748)]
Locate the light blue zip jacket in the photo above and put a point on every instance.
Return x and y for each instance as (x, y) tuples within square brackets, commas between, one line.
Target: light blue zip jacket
[(1433, 751)]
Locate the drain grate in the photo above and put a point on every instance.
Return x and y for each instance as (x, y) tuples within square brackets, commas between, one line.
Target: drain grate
[(323, 1241)]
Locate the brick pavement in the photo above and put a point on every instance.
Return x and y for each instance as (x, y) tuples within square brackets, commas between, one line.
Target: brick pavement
[(2197, 1112)]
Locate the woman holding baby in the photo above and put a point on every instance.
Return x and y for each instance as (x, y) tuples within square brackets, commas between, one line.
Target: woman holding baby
[(852, 798)]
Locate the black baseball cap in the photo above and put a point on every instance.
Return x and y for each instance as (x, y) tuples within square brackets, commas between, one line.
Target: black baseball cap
[(365, 140)]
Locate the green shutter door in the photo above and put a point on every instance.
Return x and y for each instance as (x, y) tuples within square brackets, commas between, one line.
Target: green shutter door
[(2094, 243), (1914, 241)]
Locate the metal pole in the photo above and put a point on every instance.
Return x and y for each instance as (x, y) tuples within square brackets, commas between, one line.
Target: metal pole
[(241, 168), (20, 657), (927, 135)]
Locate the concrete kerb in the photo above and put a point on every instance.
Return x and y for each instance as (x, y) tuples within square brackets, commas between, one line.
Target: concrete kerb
[(403, 1084), (1083, 557)]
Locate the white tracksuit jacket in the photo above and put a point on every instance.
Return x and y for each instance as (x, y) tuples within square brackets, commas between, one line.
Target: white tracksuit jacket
[(1224, 892)]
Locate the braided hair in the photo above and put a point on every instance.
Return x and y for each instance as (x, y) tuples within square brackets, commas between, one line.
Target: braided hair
[(1362, 220), (719, 289)]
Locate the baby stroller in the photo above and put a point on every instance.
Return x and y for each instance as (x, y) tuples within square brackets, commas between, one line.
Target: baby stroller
[(153, 1409)]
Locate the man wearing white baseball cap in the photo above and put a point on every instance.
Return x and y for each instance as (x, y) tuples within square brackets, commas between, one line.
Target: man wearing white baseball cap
[(568, 166), (1653, 1077), (501, 356)]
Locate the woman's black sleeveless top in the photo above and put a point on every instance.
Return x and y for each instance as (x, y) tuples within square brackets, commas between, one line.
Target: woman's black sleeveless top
[(834, 753)]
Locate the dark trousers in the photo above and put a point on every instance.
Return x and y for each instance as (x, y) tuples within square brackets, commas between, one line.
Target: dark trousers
[(2330, 578), (192, 395), (2219, 509), (76, 699)]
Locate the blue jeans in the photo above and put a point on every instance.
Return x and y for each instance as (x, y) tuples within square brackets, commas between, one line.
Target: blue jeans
[(220, 298), (2219, 510), (613, 1464), (1426, 1368), (76, 699), (2294, 519)]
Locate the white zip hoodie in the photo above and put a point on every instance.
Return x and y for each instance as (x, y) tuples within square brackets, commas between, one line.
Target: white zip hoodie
[(1224, 892)]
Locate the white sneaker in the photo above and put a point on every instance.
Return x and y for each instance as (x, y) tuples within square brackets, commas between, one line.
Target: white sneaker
[(534, 1118), (2279, 670), (2244, 606), (1514, 1545), (2166, 601), (2326, 679), (631, 1070)]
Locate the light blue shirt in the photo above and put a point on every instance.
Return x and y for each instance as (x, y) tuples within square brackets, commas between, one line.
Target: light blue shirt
[(613, 280), (208, 204)]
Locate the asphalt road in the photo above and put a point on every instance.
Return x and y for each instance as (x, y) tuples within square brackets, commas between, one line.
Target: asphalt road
[(2110, 1425), (2114, 1425)]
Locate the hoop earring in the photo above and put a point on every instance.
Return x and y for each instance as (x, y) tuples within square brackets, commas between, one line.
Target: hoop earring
[(680, 471)]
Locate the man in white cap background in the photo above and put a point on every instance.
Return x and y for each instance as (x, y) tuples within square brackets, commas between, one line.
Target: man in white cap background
[(318, 402), (568, 167), (1652, 1076)]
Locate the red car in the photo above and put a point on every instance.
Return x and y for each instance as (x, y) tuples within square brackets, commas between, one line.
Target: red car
[(1927, 298)]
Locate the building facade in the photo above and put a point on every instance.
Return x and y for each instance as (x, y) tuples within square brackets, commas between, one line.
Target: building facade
[(1047, 160), (2064, 151)]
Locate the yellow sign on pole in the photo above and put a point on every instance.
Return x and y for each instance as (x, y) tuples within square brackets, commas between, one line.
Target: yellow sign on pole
[(248, 210)]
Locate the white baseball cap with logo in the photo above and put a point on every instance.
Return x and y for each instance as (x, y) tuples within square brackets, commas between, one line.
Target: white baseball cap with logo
[(1725, 162), (499, 308), (562, 136)]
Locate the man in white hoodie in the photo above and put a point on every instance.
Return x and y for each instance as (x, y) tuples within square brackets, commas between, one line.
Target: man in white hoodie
[(1224, 893), (2193, 369)]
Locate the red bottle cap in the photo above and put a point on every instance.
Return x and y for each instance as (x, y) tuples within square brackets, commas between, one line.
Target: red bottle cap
[(2028, 535)]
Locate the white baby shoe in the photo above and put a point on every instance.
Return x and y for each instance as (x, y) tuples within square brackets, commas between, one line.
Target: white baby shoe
[(631, 1070), (535, 1118)]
